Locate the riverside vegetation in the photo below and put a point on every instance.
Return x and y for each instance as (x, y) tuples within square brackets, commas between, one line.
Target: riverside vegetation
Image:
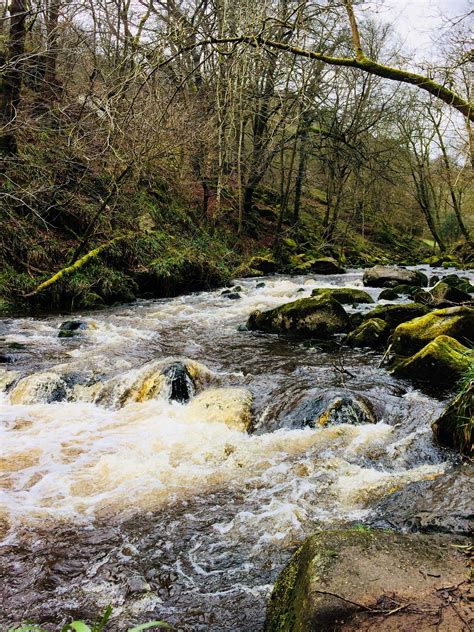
[(258, 413)]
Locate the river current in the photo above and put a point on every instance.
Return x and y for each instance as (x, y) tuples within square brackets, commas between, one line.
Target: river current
[(164, 509)]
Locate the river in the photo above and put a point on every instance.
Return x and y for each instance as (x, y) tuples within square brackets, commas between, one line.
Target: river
[(152, 507)]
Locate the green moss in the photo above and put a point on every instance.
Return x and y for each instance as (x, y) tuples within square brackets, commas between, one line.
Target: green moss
[(455, 427), (442, 361), (393, 315), (371, 333), (345, 296), (456, 322)]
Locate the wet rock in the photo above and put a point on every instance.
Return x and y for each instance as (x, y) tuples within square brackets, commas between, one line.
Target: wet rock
[(442, 361), (372, 333), (345, 296), (444, 505), (333, 407), (5, 359), (230, 406), (260, 284), (394, 315), (442, 292), (40, 388), (233, 296), (306, 317), (383, 276), (71, 328), (179, 382), (356, 319), (388, 295), (456, 322), (408, 290), (334, 570), (455, 427), (433, 280)]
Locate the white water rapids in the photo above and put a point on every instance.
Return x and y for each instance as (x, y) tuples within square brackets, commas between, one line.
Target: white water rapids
[(89, 442)]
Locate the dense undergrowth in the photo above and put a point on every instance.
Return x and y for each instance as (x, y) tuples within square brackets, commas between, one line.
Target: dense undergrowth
[(56, 207)]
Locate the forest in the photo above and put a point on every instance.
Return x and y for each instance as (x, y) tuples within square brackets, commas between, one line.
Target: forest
[(236, 315)]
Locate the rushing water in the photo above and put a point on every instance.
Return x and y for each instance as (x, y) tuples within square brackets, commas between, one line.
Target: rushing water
[(113, 494)]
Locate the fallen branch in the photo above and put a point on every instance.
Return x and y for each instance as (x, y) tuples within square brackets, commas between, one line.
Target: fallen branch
[(75, 266)]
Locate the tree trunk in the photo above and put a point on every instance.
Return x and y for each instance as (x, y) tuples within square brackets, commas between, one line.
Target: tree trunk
[(51, 84), (12, 77)]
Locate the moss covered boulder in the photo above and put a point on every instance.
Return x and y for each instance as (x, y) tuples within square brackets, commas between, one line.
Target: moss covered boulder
[(456, 322), (443, 293), (455, 427), (351, 579), (344, 295), (442, 361), (393, 315), (461, 283), (372, 333), (264, 265), (388, 295), (306, 317), (320, 265), (387, 276)]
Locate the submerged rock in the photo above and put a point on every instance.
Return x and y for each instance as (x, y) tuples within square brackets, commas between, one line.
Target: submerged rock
[(306, 317), (455, 427), (39, 388), (444, 505), (372, 333), (442, 361), (333, 407), (393, 315), (384, 276), (334, 571), (230, 406), (344, 295), (71, 328), (456, 322)]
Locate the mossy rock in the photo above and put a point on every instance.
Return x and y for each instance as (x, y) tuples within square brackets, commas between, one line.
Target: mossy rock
[(460, 283), (394, 315), (403, 288), (333, 571), (388, 295), (372, 333), (455, 427), (385, 276), (443, 293), (326, 265), (306, 317), (456, 322), (344, 295), (442, 361), (332, 407), (264, 264)]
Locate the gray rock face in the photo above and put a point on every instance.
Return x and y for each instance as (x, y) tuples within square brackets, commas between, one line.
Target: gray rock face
[(385, 276)]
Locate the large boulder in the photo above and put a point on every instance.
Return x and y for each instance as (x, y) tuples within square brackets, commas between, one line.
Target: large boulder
[(344, 295), (362, 579), (456, 322), (455, 427), (393, 315), (306, 317), (461, 283), (333, 407), (387, 276), (442, 361), (265, 264), (372, 333), (39, 388), (230, 406)]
